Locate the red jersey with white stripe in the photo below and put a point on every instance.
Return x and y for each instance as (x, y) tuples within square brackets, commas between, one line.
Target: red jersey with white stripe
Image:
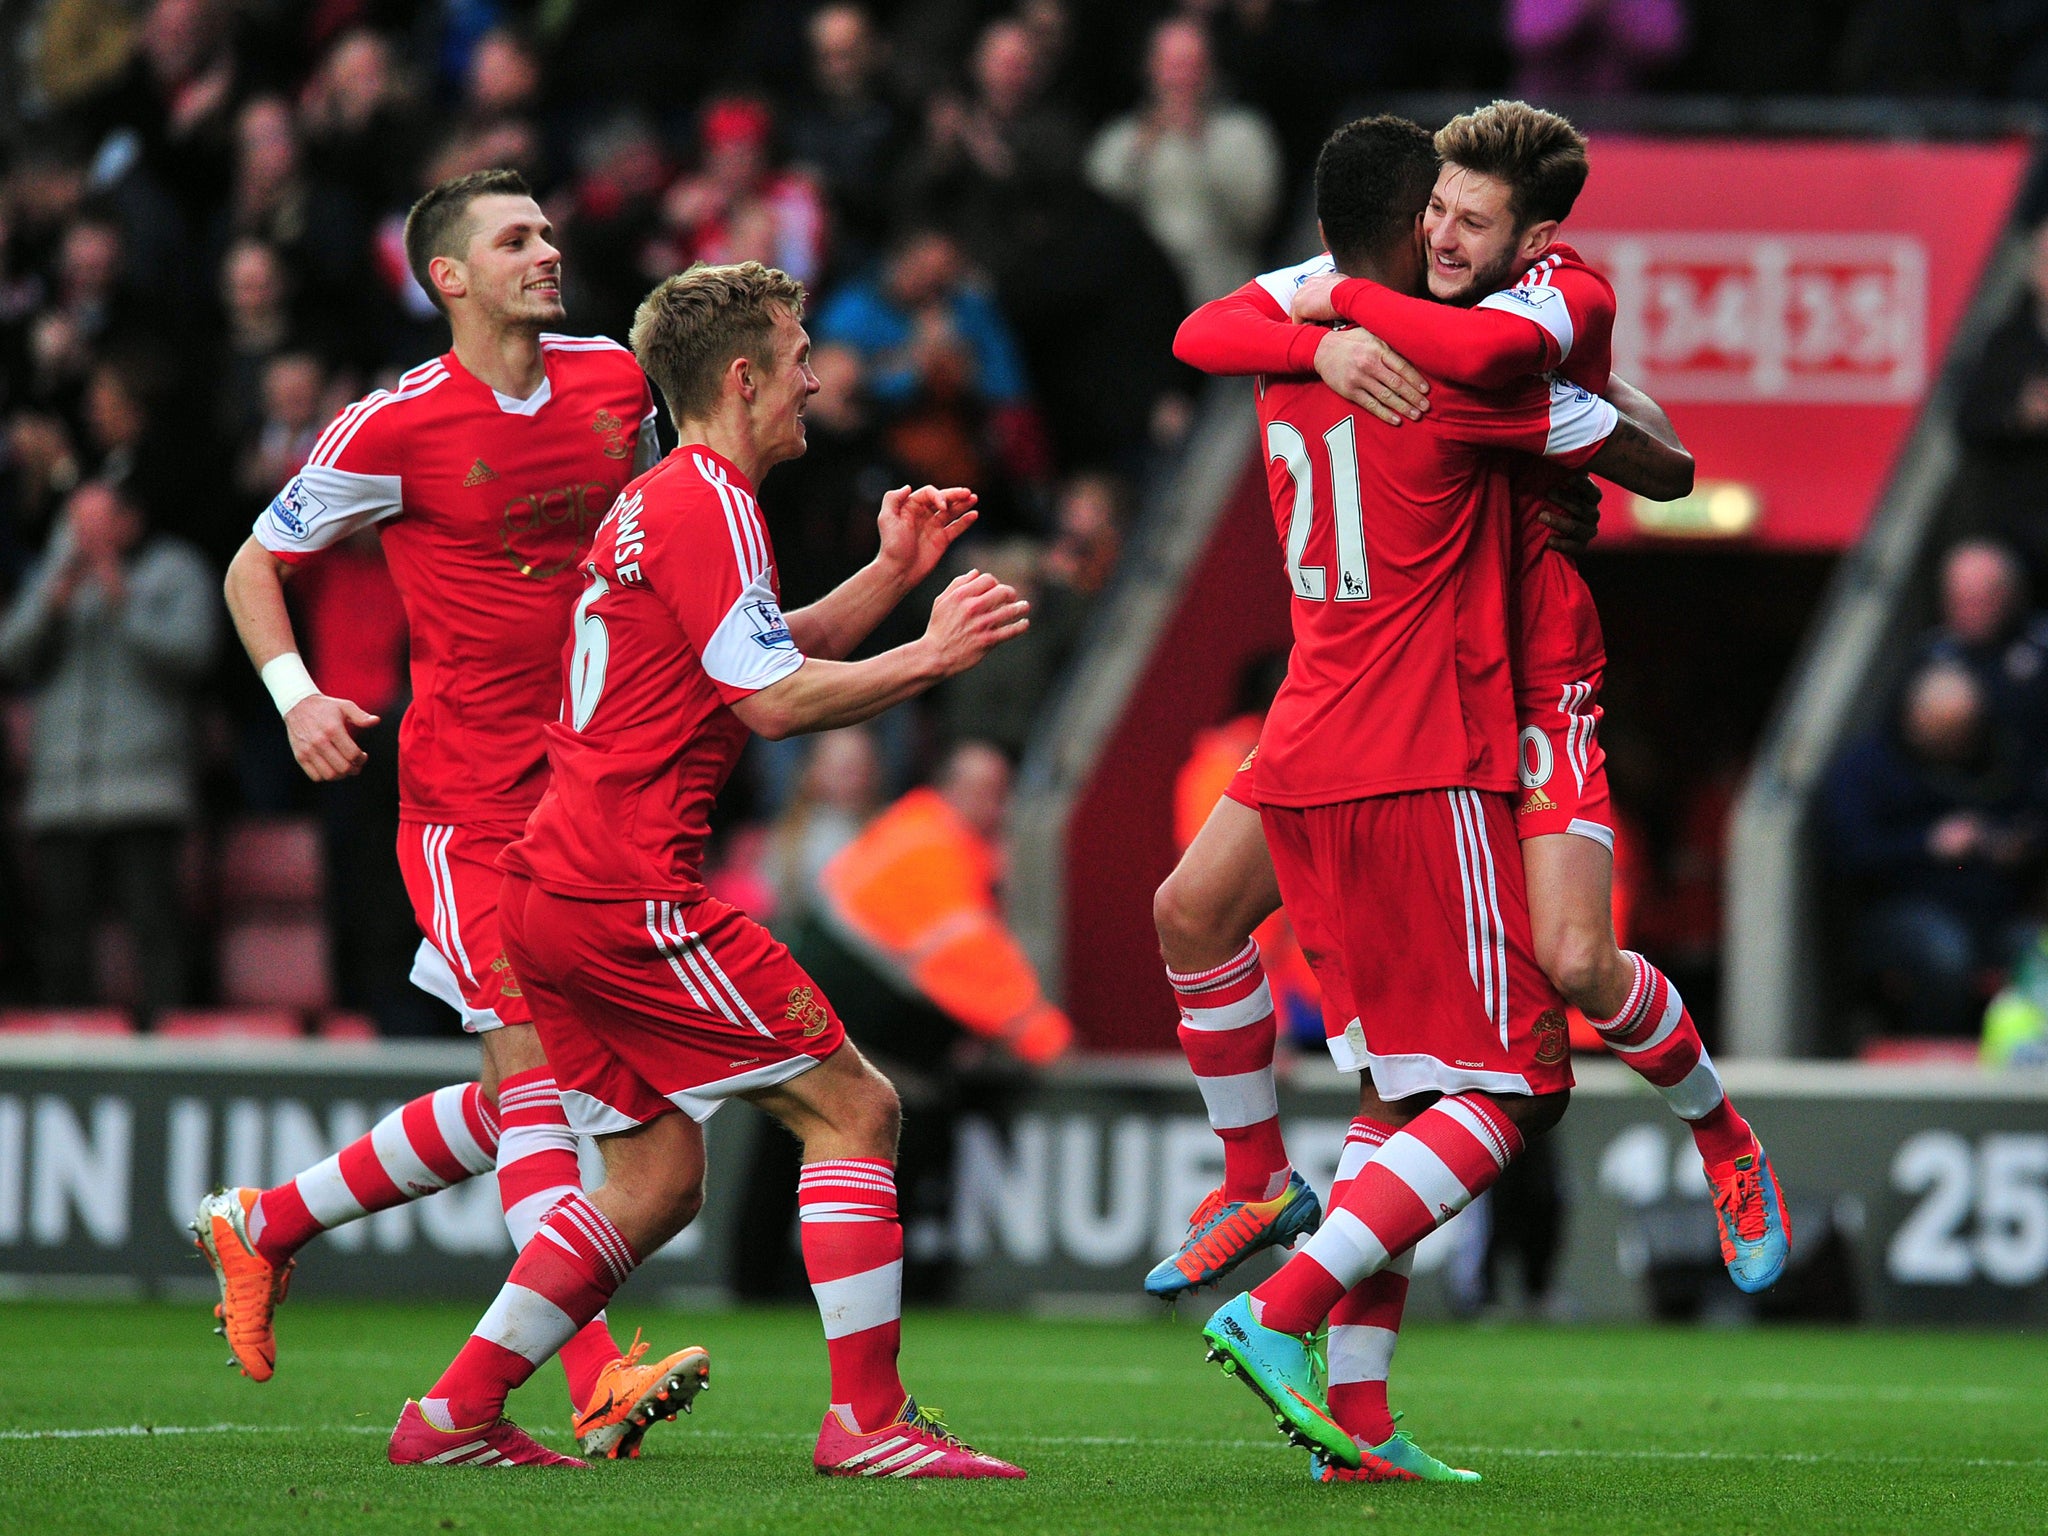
[(1399, 550), (485, 506), (680, 616)]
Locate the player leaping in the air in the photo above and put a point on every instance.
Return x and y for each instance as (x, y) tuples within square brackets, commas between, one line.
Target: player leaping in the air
[(1510, 175), (1383, 781), (657, 1002), (484, 471)]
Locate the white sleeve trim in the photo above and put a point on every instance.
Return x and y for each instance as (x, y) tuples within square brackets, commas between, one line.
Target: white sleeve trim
[(751, 647), (1281, 284), (322, 505), (1544, 305), (1578, 419), (647, 446)]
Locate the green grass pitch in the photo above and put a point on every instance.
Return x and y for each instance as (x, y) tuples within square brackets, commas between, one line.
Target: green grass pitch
[(1123, 1428)]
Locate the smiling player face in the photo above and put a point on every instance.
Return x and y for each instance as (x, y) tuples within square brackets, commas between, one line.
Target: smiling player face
[(512, 271), (1473, 246), (783, 388)]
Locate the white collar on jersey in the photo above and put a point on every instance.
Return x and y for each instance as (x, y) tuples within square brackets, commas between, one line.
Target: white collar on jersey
[(531, 405)]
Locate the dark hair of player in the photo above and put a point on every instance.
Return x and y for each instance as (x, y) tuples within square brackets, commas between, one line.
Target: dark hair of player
[(687, 332), (1372, 178), (438, 224), (1540, 156)]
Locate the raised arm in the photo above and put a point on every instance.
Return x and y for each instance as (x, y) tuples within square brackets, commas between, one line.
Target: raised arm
[(972, 616), (319, 727)]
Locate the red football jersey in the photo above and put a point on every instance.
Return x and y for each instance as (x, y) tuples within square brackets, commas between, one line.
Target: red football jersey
[(485, 506), (1399, 549), (680, 616), (1562, 322)]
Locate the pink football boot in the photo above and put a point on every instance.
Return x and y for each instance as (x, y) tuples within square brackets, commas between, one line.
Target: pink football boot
[(416, 1443), (917, 1444)]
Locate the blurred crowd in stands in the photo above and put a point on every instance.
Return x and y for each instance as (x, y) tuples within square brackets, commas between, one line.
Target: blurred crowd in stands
[(1936, 816), (1002, 208)]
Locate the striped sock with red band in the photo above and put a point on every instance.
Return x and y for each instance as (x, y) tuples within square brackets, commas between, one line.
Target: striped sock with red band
[(1227, 1029), (440, 1138), (853, 1253), (561, 1281), (536, 1169), (1425, 1174)]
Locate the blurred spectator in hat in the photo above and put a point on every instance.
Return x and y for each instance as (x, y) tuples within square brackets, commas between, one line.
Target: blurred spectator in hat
[(1988, 628), (1592, 47), (1938, 820), (739, 205), (845, 132), (1204, 177), (111, 631)]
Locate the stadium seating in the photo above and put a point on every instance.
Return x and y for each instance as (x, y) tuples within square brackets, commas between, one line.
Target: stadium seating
[(343, 1028), (229, 1024), (65, 1021), (271, 864), (275, 964)]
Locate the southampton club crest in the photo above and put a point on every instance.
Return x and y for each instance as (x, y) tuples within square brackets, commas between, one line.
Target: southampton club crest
[(613, 431)]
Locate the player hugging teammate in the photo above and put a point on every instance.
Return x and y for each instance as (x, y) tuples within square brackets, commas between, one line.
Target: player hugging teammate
[(1428, 794)]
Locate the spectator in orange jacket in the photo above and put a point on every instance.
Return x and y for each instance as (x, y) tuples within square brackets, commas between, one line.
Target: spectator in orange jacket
[(908, 940)]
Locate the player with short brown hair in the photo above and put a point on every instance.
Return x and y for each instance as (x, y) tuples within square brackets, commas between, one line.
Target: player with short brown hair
[(657, 1001)]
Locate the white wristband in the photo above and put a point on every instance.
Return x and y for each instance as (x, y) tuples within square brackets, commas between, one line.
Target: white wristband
[(288, 681)]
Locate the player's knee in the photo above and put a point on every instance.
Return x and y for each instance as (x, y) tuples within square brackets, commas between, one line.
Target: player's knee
[(1535, 1115), (1583, 965), (881, 1116), (1187, 919)]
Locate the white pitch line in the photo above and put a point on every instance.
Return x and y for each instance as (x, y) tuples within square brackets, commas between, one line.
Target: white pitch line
[(1801, 1458)]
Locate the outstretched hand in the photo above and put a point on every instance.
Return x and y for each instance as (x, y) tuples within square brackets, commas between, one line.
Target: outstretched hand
[(975, 614), (919, 526)]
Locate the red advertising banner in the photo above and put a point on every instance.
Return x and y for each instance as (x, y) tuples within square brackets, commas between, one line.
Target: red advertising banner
[(1790, 304)]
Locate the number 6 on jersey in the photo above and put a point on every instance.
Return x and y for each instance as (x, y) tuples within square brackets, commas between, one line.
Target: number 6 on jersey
[(593, 652)]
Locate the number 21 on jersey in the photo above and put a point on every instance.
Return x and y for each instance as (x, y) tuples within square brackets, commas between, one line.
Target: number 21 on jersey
[(1312, 582)]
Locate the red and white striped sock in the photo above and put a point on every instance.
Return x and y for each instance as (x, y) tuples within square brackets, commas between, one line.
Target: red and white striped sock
[(853, 1253), (439, 1139), (559, 1282), (1365, 1324), (1655, 1035), (1425, 1174), (536, 1168), (1227, 1030)]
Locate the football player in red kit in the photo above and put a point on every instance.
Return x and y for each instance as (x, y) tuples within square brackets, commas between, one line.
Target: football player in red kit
[(657, 1002), (1384, 777), (484, 472), (1510, 174)]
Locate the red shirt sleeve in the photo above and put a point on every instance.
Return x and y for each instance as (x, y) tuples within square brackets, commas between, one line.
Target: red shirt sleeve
[(1246, 332), (1481, 348), (1551, 417)]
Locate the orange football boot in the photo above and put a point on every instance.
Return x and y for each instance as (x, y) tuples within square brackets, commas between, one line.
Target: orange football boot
[(629, 1397), (250, 1285)]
